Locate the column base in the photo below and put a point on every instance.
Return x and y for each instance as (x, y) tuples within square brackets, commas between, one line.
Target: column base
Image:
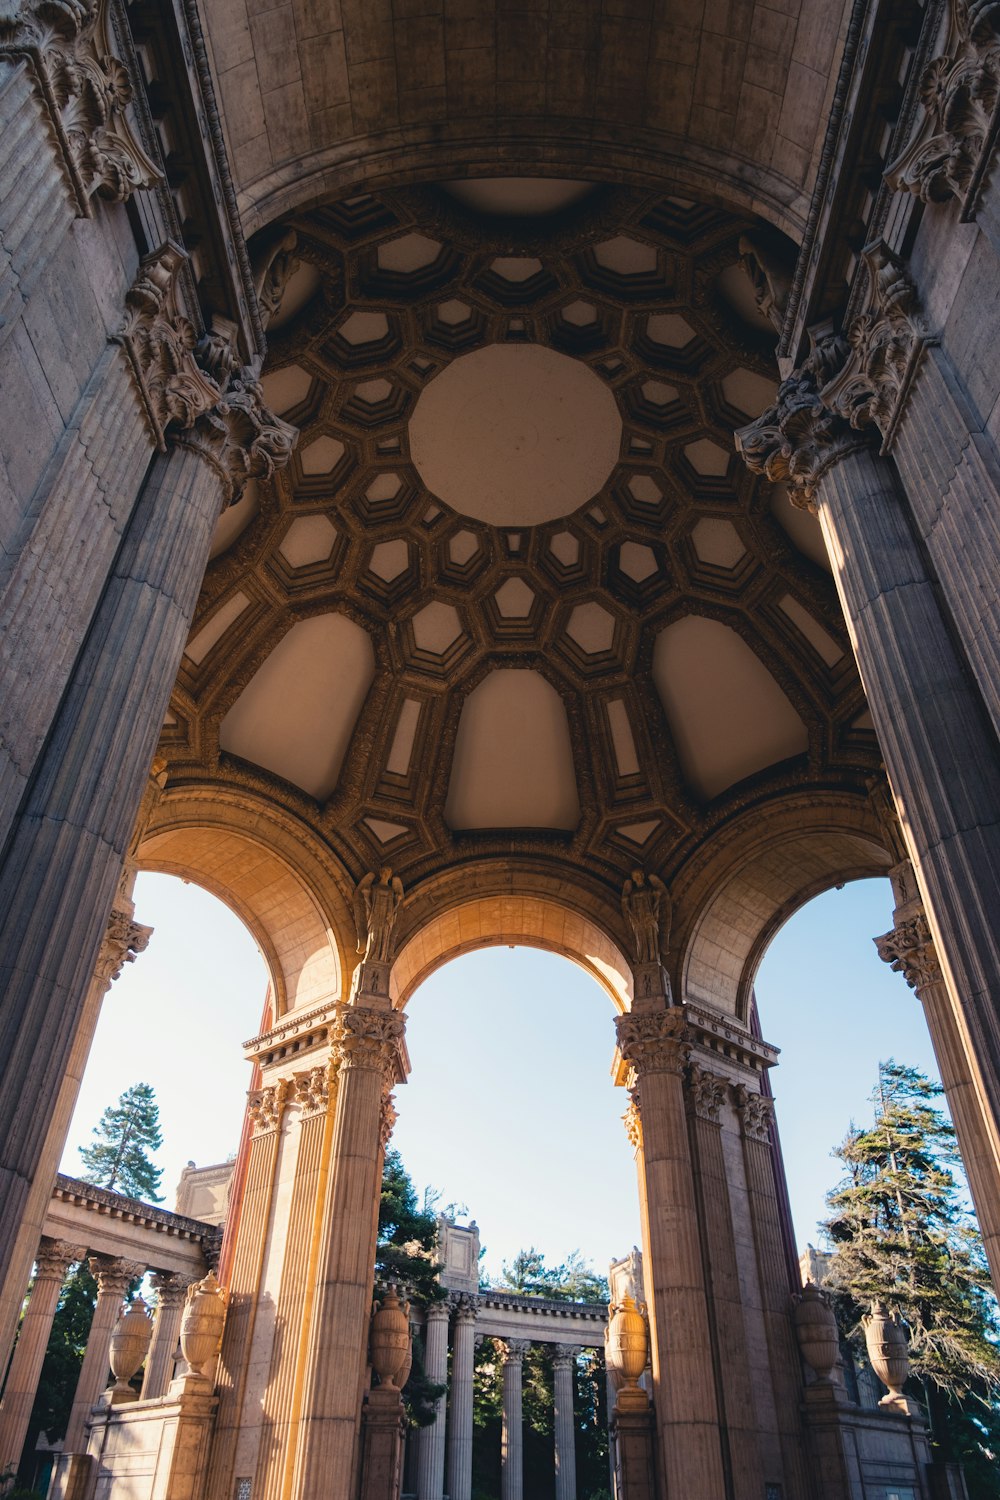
[(74, 1476), (382, 1429), (632, 1444)]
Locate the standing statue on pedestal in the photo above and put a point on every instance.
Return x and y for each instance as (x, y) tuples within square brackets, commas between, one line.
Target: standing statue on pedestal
[(646, 909), (376, 903)]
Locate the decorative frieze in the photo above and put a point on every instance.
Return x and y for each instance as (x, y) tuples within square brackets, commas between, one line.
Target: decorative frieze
[(85, 92), (909, 950), (655, 1041), (218, 411), (960, 94), (756, 1112), (706, 1093)]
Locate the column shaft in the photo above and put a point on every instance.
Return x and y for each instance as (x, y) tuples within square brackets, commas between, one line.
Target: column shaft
[(430, 1462), (563, 1423), (368, 1052), (171, 1292), (941, 757), (64, 858), (54, 1260), (460, 1410), (112, 1279), (512, 1435)]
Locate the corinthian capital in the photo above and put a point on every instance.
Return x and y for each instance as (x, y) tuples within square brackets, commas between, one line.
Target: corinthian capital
[(368, 1038), (887, 340), (799, 438), (265, 1106), (909, 950), (124, 939), (240, 437), (755, 1112), (84, 90), (655, 1042), (960, 93), (706, 1093)]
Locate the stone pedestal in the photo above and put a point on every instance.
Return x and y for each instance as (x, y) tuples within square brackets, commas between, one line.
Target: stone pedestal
[(53, 1261), (633, 1456), (382, 1429), (854, 1450), (153, 1448), (460, 1408), (73, 1477)]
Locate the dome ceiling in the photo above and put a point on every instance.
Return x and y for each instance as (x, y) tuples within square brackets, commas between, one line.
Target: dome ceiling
[(515, 592)]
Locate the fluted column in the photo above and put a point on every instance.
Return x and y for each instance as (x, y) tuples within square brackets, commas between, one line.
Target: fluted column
[(656, 1046), (368, 1050), (707, 1093), (563, 1367), (460, 1408), (113, 1276), (53, 1260), (940, 753), (512, 1352), (430, 1461), (171, 1292)]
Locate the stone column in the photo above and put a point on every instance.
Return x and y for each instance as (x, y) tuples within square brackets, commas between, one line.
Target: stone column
[(113, 1276), (171, 1293), (512, 1352), (368, 1049), (460, 1425), (564, 1366), (655, 1044), (430, 1461), (63, 860), (707, 1093), (53, 1260), (940, 753)]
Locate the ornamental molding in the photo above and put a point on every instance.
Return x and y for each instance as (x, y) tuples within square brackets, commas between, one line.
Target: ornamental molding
[(756, 1112), (887, 340), (706, 1093), (192, 388), (909, 950), (565, 1354), (960, 92), (388, 1115), (655, 1041), (266, 1106), (84, 91), (171, 1288)]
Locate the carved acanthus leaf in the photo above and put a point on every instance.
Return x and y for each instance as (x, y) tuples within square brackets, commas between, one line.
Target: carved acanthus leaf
[(240, 437), (54, 1258), (756, 1113), (265, 1106), (706, 1093), (367, 1038), (84, 90), (655, 1042), (312, 1090), (124, 938), (909, 950), (960, 94)]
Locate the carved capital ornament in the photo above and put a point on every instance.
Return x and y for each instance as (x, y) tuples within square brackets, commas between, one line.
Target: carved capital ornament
[(909, 950), (84, 91), (655, 1042), (756, 1113), (706, 1093)]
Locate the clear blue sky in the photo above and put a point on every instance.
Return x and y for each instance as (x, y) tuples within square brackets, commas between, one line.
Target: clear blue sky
[(510, 1110)]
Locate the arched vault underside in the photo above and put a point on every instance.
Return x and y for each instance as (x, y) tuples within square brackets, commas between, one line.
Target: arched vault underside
[(515, 620), (727, 103)]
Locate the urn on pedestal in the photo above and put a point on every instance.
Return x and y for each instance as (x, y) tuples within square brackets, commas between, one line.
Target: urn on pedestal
[(391, 1352), (885, 1336), (202, 1324), (816, 1331), (129, 1346), (627, 1353)]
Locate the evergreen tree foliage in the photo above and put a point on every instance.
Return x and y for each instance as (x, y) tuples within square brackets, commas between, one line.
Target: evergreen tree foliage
[(901, 1231), (118, 1158), (573, 1280), (404, 1257)]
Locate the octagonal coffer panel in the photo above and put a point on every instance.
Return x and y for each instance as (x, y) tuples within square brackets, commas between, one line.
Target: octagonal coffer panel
[(297, 714), (728, 716), (513, 760)]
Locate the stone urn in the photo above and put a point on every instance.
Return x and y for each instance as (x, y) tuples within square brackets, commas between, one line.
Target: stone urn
[(202, 1323), (390, 1339), (627, 1352), (885, 1336), (816, 1331), (129, 1346)]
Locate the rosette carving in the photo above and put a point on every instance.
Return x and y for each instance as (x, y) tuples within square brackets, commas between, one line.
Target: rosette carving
[(960, 94), (85, 91)]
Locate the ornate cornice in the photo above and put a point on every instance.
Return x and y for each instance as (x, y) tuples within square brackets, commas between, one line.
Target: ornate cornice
[(85, 92), (756, 1112), (654, 1042), (191, 388), (706, 1093), (960, 93), (909, 950), (795, 441), (887, 340)]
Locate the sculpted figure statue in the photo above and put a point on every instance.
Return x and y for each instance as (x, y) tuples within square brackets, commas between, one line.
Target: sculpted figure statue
[(646, 908), (376, 902), (273, 266)]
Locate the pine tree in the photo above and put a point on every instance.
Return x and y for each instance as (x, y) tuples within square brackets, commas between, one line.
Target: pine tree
[(118, 1158), (901, 1232)]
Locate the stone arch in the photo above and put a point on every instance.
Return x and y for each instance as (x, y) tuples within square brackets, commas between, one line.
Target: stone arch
[(291, 899), (532, 919), (751, 891)]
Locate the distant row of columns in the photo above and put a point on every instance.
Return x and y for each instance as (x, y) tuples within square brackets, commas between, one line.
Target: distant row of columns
[(449, 1436), (54, 1259)]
